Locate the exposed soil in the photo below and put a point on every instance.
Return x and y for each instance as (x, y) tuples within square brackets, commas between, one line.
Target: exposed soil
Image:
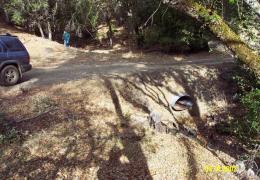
[(78, 112)]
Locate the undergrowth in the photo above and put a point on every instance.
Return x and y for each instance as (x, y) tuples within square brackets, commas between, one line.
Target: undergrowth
[(247, 127), (8, 134)]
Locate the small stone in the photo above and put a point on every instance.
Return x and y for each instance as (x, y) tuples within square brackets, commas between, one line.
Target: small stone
[(155, 116), (241, 167), (139, 120), (63, 151), (160, 127), (250, 173), (190, 131)]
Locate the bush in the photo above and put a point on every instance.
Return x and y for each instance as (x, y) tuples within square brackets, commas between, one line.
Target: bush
[(173, 31), (251, 102), (151, 37), (247, 127)]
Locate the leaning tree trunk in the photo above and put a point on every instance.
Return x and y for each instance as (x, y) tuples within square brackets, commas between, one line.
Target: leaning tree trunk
[(220, 29)]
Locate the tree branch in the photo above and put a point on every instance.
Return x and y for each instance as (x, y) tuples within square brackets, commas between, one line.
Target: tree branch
[(152, 15)]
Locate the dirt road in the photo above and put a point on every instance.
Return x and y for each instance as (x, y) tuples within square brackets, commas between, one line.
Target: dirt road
[(54, 64), (67, 72)]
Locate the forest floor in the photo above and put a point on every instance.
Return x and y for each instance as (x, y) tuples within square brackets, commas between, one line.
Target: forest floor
[(77, 114)]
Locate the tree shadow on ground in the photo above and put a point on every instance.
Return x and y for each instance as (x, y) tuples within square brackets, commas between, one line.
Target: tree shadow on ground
[(55, 65), (136, 165), (20, 163), (150, 85), (147, 81), (234, 150)]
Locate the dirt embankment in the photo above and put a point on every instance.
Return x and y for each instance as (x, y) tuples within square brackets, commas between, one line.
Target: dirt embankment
[(77, 111)]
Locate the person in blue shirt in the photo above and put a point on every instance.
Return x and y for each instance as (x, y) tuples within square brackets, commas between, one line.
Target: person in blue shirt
[(66, 38)]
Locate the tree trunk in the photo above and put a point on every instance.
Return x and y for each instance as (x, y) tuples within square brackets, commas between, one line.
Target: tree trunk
[(4, 15), (220, 29), (41, 30), (49, 31), (224, 9), (110, 30)]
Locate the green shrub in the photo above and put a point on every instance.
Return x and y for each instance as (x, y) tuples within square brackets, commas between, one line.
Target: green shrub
[(169, 44), (173, 31), (165, 41), (247, 127), (251, 102), (151, 37)]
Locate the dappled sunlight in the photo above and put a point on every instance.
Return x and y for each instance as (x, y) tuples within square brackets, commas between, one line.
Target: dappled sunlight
[(78, 114), (101, 51), (82, 136), (180, 58), (45, 53), (130, 54)]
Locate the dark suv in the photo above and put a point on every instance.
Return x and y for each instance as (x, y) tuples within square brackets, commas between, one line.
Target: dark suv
[(14, 60)]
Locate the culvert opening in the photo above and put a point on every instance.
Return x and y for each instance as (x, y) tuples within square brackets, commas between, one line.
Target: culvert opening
[(181, 102)]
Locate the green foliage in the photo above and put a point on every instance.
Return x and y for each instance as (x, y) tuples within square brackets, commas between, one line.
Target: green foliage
[(239, 16), (77, 15), (174, 31), (170, 29), (18, 18), (22, 11), (84, 15), (151, 36), (232, 1), (251, 102), (246, 81), (247, 127)]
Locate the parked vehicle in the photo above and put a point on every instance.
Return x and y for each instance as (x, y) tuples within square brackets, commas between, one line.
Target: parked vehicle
[(14, 60)]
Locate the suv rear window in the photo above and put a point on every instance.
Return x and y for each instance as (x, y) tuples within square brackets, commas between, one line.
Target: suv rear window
[(13, 44)]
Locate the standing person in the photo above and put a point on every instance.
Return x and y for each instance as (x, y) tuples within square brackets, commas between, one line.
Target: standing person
[(66, 38)]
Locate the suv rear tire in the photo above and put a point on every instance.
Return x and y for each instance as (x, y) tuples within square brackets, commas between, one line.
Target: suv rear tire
[(10, 75)]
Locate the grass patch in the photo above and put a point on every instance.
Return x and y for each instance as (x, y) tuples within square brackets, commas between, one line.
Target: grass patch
[(8, 134), (41, 103)]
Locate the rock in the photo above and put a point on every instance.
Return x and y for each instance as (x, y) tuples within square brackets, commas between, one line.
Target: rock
[(63, 151), (250, 173), (161, 127), (154, 118), (190, 132), (241, 167), (218, 46), (139, 120)]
